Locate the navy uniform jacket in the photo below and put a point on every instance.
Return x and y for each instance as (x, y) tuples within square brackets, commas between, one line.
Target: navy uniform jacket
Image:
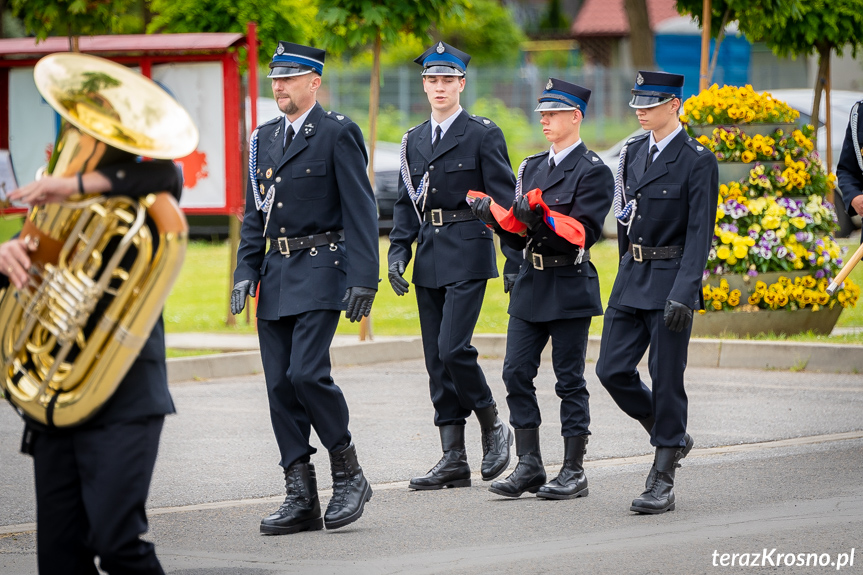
[(580, 187), (676, 207), (321, 186), (471, 156), (144, 390), (849, 172)]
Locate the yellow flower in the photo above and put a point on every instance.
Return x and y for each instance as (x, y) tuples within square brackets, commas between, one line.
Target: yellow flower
[(717, 305), (747, 157), (740, 251), (723, 252)]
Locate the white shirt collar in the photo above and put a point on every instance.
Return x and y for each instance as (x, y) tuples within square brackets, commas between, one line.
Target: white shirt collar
[(444, 126), (661, 144), (297, 124), (561, 155)]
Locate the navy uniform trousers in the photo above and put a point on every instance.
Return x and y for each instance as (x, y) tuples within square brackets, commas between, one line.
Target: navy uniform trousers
[(447, 318), (295, 351), (625, 337), (93, 486), (525, 341)]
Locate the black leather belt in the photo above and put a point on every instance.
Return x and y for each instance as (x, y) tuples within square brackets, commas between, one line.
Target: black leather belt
[(289, 245), (540, 262), (640, 253), (440, 217)]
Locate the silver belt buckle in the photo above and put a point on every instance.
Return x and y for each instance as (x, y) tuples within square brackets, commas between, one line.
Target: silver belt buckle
[(283, 247), (636, 252), (437, 217), (536, 260)]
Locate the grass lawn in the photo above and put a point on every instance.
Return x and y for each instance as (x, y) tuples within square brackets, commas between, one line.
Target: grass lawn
[(199, 300)]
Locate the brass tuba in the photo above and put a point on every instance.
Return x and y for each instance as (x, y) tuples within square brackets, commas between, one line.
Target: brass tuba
[(98, 278)]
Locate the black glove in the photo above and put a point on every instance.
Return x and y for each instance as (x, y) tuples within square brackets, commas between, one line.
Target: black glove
[(359, 302), (238, 295), (677, 316), (400, 284), (532, 218), (482, 210), (509, 282)]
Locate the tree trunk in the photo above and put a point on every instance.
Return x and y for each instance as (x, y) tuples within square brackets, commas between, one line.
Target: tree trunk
[(640, 34), (820, 83), (719, 38), (374, 104)]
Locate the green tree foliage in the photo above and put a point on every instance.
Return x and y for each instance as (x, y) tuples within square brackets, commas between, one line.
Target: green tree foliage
[(487, 31), (44, 18), (289, 20)]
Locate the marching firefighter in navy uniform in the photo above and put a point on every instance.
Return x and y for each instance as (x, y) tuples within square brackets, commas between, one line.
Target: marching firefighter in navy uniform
[(850, 169), (442, 159), (309, 195), (665, 201), (555, 293)]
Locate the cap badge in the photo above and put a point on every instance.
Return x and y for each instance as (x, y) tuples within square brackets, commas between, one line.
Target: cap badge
[(639, 79), (550, 85), (269, 173), (440, 49), (280, 50)]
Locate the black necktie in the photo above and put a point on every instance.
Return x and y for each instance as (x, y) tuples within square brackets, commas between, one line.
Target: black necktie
[(551, 164), (438, 134), (289, 135), (653, 150)]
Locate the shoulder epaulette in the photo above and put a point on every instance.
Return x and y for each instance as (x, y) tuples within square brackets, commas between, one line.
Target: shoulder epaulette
[(637, 138), (271, 121), (592, 157), (483, 121), (341, 118), (696, 145)]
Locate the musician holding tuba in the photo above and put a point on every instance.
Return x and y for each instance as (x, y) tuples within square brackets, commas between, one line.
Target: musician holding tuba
[(93, 468)]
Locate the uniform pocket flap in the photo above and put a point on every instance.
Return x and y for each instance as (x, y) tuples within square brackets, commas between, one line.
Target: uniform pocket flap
[(664, 191), (309, 169), (417, 168), (458, 164), (474, 230), (559, 198)]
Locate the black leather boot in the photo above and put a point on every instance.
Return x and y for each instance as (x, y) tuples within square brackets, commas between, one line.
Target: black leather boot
[(452, 470), (301, 510), (529, 474), (496, 441), (648, 423), (659, 495), (351, 489), (571, 482)]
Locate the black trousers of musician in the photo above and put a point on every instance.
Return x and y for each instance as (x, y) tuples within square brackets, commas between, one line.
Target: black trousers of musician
[(448, 317), (295, 351), (91, 487), (625, 337), (525, 341)]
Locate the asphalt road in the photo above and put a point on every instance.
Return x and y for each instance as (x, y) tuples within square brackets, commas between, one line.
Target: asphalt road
[(777, 465)]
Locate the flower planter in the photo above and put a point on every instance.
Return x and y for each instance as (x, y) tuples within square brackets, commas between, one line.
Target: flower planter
[(736, 171), (748, 129), (745, 323)]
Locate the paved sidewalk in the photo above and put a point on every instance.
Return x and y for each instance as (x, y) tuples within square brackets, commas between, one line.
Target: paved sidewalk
[(239, 354)]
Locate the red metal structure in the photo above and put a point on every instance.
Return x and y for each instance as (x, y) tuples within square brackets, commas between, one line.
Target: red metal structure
[(145, 51)]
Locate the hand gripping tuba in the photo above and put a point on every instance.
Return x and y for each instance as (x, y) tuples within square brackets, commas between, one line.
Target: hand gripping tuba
[(103, 265)]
